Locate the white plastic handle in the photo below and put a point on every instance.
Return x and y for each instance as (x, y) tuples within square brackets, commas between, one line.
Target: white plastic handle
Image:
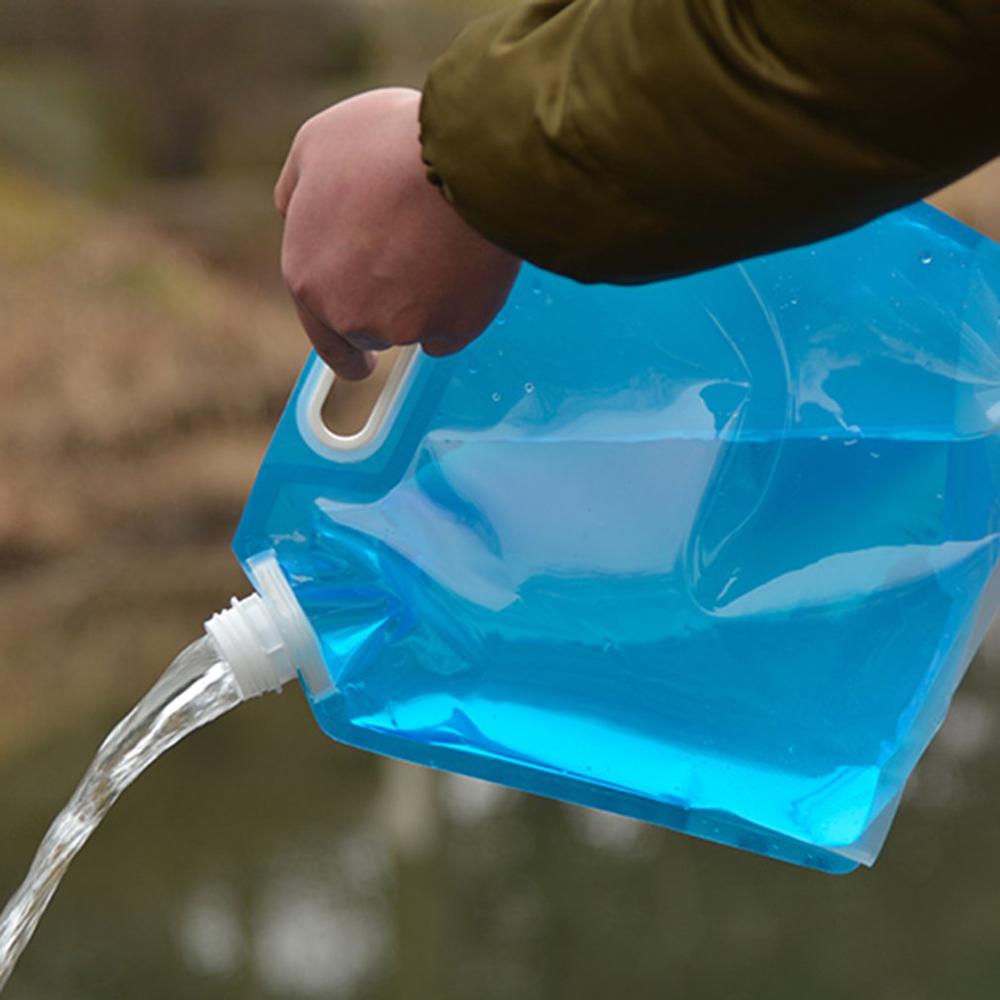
[(352, 447)]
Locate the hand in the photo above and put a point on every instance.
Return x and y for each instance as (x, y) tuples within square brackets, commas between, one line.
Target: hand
[(974, 199), (373, 254)]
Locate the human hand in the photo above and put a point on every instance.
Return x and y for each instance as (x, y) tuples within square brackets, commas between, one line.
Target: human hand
[(373, 254), (974, 199)]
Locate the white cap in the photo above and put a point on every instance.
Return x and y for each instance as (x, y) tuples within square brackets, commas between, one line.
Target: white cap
[(266, 638)]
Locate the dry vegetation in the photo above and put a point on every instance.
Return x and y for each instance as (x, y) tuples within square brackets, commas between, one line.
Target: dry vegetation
[(136, 390)]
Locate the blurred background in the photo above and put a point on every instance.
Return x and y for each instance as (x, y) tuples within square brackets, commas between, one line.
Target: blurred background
[(146, 351)]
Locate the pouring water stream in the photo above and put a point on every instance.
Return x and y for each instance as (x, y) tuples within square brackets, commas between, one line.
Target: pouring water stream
[(252, 647), (198, 687)]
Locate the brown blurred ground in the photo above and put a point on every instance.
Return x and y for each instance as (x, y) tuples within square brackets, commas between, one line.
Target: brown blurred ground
[(136, 394)]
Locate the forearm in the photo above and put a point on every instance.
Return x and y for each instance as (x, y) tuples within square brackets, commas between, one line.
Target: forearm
[(626, 140)]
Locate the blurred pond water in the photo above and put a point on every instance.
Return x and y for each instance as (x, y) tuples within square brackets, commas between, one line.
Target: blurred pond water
[(262, 860)]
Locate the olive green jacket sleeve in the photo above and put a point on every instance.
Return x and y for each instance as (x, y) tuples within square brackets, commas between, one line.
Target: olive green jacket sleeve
[(628, 140)]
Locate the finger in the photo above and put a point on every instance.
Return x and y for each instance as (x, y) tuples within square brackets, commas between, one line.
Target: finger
[(347, 361), (366, 342), (442, 346), (287, 180)]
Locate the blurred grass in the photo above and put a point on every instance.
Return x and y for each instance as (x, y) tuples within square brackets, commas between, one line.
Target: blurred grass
[(52, 118), (137, 392), (135, 385)]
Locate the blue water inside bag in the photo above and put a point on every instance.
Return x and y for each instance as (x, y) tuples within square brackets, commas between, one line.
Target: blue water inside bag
[(713, 552)]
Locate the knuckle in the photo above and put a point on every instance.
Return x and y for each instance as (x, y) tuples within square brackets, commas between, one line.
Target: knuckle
[(308, 130), (298, 287), (303, 133)]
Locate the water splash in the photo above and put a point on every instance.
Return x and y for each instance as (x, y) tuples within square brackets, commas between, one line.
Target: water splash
[(195, 689)]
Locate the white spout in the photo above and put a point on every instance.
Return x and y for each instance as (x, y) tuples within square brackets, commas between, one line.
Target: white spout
[(266, 638), (246, 637)]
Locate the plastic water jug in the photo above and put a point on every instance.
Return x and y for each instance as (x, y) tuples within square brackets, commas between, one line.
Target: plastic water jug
[(713, 552)]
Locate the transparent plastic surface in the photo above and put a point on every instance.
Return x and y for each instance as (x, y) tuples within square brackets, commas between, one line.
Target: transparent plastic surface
[(713, 552)]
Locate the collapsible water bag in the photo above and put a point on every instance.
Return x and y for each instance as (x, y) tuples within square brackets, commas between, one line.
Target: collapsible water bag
[(712, 552)]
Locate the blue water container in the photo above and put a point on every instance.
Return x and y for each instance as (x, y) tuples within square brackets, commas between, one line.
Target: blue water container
[(713, 552)]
